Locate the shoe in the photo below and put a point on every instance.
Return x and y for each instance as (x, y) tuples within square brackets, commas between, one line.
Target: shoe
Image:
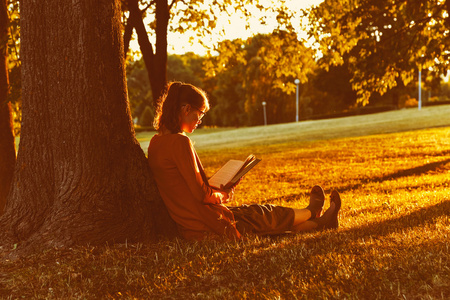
[(329, 219), (336, 199), (316, 200)]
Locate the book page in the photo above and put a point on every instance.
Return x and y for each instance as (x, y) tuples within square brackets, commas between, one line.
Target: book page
[(226, 173), (245, 170)]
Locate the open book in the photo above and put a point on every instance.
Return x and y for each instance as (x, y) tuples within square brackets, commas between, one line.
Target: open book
[(232, 171)]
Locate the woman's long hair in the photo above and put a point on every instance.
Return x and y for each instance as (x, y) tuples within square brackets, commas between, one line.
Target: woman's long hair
[(169, 104)]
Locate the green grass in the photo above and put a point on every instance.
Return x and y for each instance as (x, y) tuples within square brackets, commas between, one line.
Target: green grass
[(386, 122), (393, 241)]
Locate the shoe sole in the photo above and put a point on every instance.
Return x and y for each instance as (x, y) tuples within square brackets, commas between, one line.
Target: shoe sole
[(336, 199), (317, 191)]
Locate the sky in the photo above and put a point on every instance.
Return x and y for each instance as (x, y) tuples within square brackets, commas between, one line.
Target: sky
[(234, 28)]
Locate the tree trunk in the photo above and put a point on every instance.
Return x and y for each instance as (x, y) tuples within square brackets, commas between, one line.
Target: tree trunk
[(162, 22), (155, 61), (7, 151), (7, 145), (81, 176)]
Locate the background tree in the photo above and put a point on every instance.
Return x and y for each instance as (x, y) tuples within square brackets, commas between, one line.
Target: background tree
[(7, 144), (155, 58), (182, 17), (147, 117), (282, 58), (387, 41), (13, 64), (334, 84), (226, 71), (444, 91), (262, 68), (186, 68), (139, 90), (81, 176)]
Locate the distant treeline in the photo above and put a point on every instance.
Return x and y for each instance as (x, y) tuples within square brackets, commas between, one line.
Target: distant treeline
[(246, 73)]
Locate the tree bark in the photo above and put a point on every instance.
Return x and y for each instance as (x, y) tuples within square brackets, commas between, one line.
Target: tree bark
[(155, 61), (162, 22), (7, 150), (81, 176), (7, 144)]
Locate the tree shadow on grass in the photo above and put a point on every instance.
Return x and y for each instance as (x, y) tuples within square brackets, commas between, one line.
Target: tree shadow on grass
[(439, 166), (310, 265), (430, 167), (381, 257), (442, 166), (419, 218), (366, 254), (304, 264)]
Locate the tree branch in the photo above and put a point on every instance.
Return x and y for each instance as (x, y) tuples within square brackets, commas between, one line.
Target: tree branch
[(149, 5), (173, 2), (138, 24)]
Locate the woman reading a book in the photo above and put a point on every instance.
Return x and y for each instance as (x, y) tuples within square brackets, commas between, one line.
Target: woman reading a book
[(197, 207)]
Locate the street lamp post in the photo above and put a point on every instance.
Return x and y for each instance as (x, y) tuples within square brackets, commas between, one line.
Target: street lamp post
[(420, 88), (297, 82), (264, 109)]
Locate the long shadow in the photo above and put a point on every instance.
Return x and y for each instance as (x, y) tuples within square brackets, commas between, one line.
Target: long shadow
[(420, 217), (399, 260), (250, 268), (402, 173), (435, 166)]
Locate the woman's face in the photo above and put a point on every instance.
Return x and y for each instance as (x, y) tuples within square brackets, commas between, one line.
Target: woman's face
[(191, 117)]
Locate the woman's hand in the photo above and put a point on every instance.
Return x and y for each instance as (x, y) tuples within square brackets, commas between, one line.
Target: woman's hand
[(227, 193), (221, 196)]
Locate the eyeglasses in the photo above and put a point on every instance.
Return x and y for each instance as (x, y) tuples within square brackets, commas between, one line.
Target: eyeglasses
[(202, 113)]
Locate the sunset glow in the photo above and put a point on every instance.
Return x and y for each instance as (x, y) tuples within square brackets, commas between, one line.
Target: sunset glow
[(229, 28)]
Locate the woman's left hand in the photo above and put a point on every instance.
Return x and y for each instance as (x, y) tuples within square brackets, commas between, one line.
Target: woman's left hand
[(228, 194)]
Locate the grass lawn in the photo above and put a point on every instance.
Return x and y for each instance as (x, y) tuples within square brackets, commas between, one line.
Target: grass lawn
[(392, 170), (386, 122)]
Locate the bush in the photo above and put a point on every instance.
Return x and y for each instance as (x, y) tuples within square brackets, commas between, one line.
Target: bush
[(147, 117), (406, 102)]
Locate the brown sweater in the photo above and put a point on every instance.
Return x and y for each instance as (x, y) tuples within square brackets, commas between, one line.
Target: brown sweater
[(193, 205)]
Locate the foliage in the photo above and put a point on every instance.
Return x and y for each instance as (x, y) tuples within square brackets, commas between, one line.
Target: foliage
[(185, 68), (444, 92), (384, 42), (146, 118), (196, 16), (227, 94), (14, 32), (14, 64), (335, 85), (262, 68), (199, 18), (139, 91), (393, 240)]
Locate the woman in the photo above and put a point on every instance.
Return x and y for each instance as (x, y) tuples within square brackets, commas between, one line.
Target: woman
[(199, 209)]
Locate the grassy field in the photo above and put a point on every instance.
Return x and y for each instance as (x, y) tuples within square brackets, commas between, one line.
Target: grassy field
[(393, 242), (386, 122)]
